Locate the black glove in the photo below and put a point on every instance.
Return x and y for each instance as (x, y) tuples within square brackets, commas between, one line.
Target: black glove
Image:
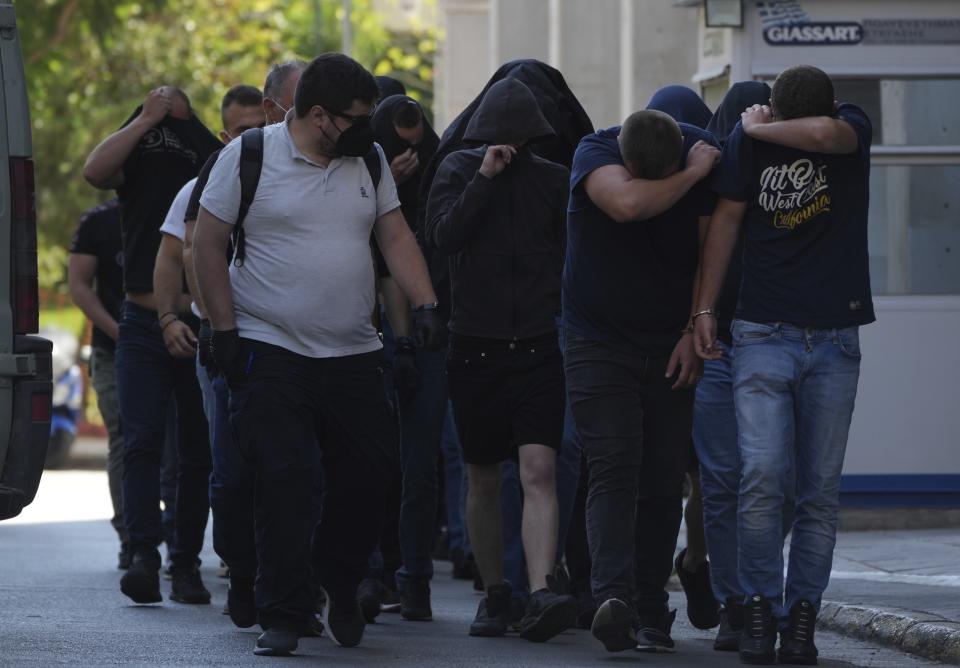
[(429, 329), (225, 352), (203, 348), (406, 375)]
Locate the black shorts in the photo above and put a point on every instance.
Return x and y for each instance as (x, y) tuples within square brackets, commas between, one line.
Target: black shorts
[(505, 394)]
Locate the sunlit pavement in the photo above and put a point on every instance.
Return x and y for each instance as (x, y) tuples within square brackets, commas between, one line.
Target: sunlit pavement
[(60, 604)]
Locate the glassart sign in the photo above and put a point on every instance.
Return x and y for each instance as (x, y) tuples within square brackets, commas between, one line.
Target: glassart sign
[(786, 23)]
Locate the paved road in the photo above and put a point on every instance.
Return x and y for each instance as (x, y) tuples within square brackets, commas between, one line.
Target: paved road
[(60, 604)]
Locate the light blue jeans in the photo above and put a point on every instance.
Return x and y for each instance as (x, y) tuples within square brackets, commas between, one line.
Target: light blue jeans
[(794, 391), (716, 440)]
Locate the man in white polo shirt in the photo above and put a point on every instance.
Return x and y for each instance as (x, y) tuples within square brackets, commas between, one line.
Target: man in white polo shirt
[(293, 336)]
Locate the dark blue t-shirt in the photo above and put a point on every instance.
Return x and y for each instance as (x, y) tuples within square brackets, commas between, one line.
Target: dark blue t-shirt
[(805, 256), (630, 284)]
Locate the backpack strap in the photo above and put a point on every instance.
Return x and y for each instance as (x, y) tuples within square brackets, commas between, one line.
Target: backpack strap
[(251, 162), (372, 160)]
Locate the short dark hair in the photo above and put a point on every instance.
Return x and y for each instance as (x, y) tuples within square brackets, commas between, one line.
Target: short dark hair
[(650, 143), (242, 94), (278, 75), (407, 115), (333, 81), (802, 91)]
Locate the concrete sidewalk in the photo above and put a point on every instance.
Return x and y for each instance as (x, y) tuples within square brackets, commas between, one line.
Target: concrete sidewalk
[(899, 588)]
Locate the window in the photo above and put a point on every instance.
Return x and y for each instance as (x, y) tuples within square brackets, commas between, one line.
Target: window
[(914, 182)]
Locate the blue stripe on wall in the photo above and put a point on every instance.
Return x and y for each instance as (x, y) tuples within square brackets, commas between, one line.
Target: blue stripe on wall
[(903, 491)]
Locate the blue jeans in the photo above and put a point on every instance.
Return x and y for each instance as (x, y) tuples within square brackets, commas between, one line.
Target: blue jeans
[(231, 483), (453, 484), (716, 440), (421, 426), (794, 391), (147, 376)]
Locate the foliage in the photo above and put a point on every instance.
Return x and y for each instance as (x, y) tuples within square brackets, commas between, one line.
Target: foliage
[(91, 62)]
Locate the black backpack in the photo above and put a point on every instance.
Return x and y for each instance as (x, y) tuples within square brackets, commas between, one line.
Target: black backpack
[(251, 161)]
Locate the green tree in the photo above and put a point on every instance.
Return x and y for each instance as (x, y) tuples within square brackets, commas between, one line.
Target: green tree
[(91, 62)]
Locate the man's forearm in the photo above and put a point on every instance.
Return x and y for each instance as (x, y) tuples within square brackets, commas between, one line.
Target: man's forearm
[(396, 306), (817, 134), (718, 247), (189, 268), (648, 199), (106, 161), (213, 283), (89, 303), (167, 284), (407, 267)]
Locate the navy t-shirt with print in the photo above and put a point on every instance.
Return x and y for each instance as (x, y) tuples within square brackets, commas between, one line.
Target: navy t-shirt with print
[(630, 285), (805, 258), (98, 234)]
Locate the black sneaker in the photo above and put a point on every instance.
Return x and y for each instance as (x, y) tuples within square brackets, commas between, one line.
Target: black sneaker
[(615, 625), (141, 583), (547, 614), (187, 587), (759, 637), (796, 642), (492, 614), (241, 604), (731, 626), (369, 596), (345, 622), (277, 642), (124, 557), (462, 565), (702, 608), (415, 601), (654, 633)]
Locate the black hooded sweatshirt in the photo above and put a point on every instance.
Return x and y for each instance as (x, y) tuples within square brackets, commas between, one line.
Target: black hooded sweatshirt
[(505, 235), (740, 96), (386, 135), (167, 156)]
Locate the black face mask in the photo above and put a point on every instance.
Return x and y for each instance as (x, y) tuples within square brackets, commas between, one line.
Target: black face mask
[(354, 142)]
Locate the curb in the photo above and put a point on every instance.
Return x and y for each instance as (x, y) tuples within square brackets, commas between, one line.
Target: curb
[(919, 633)]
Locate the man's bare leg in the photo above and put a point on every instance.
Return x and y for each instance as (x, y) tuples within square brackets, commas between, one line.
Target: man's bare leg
[(485, 521), (538, 476)]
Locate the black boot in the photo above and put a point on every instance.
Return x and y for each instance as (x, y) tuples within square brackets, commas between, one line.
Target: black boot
[(796, 642), (187, 587), (415, 601), (731, 625), (759, 637), (141, 582), (491, 619)]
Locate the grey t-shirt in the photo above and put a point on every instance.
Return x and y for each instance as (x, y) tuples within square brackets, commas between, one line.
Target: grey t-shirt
[(307, 281)]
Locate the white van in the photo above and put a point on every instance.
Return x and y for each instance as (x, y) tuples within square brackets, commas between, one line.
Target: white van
[(25, 387)]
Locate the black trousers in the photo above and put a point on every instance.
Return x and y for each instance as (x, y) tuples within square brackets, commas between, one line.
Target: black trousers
[(636, 435), (282, 410)]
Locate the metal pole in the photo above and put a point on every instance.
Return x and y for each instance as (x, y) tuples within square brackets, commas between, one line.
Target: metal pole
[(347, 29)]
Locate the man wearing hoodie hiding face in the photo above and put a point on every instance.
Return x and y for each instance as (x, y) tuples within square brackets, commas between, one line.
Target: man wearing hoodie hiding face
[(499, 212), (147, 161)]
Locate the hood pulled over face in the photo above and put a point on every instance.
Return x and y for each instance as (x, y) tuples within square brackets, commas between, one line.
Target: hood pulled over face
[(507, 113)]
